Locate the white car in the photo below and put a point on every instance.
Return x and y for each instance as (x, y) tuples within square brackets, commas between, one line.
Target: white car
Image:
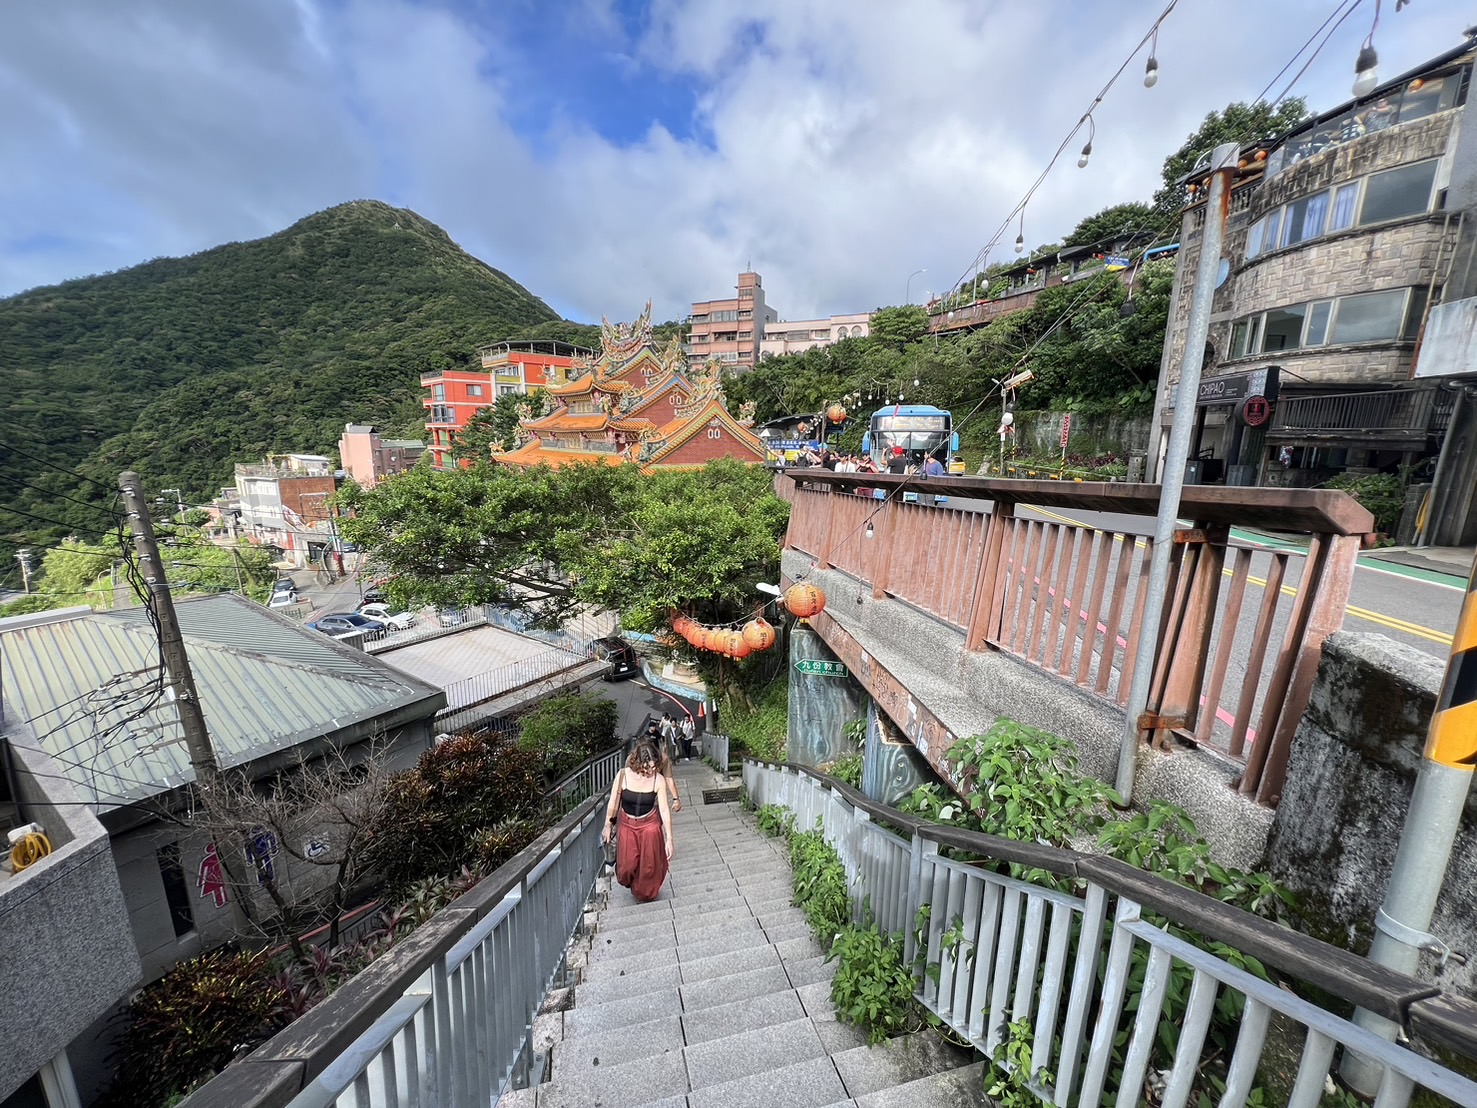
[(395, 621)]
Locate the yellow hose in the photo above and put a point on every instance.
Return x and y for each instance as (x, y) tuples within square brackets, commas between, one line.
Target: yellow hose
[(29, 850)]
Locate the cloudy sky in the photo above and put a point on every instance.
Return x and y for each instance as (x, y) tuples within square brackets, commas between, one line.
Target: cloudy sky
[(604, 151)]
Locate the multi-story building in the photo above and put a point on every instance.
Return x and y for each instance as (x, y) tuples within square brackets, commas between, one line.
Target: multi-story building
[(796, 335), (283, 503), (1337, 240), (369, 458), (456, 395), (730, 330)]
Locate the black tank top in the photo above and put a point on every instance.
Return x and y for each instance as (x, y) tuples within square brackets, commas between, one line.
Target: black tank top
[(637, 804)]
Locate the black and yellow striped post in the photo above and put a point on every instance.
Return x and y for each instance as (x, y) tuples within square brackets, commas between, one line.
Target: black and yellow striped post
[(1452, 740), (1431, 825)]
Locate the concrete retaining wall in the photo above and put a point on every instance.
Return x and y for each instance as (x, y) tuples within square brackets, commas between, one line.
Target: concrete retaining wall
[(1354, 762), (1039, 433)]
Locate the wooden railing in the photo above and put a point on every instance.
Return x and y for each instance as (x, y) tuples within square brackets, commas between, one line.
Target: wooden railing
[(998, 562)]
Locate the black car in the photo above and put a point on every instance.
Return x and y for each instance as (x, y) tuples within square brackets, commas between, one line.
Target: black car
[(374, 595), (285, 585), (620, 655)]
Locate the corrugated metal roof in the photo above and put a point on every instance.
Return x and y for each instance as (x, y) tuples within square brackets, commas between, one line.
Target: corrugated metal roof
[(85, 684), (448, 659)]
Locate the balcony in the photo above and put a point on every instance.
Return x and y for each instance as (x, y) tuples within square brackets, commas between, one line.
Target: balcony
[(68, 912), (1390, 416)]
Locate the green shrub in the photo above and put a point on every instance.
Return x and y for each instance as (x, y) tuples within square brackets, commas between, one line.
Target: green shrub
[(821, 887), (760, 728), (873, 987), (567, 730), (847, 769), (775, 821), (1382, 493)]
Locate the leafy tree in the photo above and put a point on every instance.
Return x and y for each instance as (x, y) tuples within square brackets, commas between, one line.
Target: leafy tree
[(1115, 219), (899, 326), (566, 730), (545, 541), (71, 573), (1236, 122)]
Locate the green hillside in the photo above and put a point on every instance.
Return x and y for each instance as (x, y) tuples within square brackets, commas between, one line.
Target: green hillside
[(181, 366)]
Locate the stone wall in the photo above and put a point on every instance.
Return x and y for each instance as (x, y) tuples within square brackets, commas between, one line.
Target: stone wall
[(1039, 433), (1353, 766)]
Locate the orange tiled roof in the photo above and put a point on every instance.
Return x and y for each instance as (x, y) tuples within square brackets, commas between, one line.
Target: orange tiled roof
[(582, 383), (565, 421), (536, 454), (712, 409), (631, 425)]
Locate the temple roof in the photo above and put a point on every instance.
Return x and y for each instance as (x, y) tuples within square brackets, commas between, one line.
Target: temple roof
[(638, 424), (566, 421), (536, 454), (698, 421)]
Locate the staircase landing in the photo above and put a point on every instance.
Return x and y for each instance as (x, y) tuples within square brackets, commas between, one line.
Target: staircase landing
[(715, 995)]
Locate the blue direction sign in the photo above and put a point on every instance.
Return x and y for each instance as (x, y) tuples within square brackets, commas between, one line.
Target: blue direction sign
[(818, 668)]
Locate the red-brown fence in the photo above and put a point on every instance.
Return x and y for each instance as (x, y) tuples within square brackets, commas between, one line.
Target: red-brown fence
[(1067, 595)]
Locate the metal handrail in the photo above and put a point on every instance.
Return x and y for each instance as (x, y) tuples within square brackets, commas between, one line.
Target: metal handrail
[(502, 679), (1032, 953)]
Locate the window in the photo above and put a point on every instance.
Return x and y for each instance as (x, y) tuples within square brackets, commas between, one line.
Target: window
[(1416, 311), (1318, 314), (1283, 329), (507, 390), (438, 392), (1254, 237), (1345, 198), (1369, 316), (1303, 219), (474, 390), (176, 892), (1239, 332), (1397, 193)]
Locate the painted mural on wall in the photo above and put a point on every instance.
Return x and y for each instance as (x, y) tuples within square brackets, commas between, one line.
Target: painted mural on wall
[(892, 767), (824, 698)]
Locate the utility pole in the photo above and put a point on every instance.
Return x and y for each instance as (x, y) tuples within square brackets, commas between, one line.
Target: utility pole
[(23, 556), (1431, 824), (1217, 206), (171, 642)]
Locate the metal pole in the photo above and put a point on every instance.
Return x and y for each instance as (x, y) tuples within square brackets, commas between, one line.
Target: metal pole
[(908, 291), (23, 556), (171, 642), (1223, 166), (1431, 825)]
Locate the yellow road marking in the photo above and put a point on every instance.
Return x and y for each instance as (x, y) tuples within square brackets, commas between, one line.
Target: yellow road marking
[(1391, 622)]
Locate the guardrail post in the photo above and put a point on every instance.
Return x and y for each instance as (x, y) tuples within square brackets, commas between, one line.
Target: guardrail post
[(885, 540), (923, 849), (989, 591), (1186, 646)]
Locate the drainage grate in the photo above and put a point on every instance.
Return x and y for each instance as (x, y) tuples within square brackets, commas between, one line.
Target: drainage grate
[(722, 796)]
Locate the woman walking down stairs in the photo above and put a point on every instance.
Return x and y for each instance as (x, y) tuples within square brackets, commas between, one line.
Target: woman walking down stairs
[(715, 995)]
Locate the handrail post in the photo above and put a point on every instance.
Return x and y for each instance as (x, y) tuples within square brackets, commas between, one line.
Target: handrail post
[(983, 611), (886, 541), (1186, 648)]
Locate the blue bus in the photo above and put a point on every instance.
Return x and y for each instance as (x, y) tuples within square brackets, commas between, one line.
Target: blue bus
[(919, 430)]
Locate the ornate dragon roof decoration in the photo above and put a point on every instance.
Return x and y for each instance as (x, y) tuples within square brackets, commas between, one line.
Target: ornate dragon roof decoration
[(620, 342)]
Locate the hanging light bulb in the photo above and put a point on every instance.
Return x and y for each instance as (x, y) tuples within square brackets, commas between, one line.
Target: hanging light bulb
[(1086, 153), (869, 529), (1366, 70), (1020, 243), (915, 382), (1151, 72)]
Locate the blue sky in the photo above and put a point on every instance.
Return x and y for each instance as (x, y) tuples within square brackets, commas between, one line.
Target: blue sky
[(605, 151)]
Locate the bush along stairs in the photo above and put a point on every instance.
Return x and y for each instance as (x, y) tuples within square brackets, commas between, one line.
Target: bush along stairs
[(716, 995)]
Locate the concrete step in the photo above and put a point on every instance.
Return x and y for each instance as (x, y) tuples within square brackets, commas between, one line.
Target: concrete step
[(644, 1081), (809, 1084), (870, 1069), (723, 990), (653, 975), (721, 965), (618, 1045), (652, 1004), (723, 1020), (958, 1088), (745, 1053)]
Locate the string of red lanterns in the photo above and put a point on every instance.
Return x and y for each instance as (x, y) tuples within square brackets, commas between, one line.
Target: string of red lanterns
[(802, 601)]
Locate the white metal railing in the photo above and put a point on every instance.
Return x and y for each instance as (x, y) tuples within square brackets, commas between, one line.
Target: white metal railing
[(591, 779), (715, 748), (501, 679), (458, 1034), (1009, 950)]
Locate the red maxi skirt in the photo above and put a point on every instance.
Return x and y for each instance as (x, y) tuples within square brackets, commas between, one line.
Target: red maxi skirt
[(641, 853)]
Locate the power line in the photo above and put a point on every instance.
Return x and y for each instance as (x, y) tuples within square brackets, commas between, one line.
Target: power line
[(1263, 94), (52, 465), (54, 522), (58, 495), (1314, 56)]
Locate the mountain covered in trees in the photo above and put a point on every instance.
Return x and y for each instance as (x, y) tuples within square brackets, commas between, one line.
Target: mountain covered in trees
[(181, 366)]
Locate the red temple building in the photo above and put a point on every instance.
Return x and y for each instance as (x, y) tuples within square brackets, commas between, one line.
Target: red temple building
[(635, 403)]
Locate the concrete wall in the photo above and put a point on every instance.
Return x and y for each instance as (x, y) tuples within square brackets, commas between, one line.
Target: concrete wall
[(1354, 762), (69, 956), (820, 705), (948, 692)]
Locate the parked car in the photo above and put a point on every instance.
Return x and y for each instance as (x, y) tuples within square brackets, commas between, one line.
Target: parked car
[(374, 595), (284, 600), (619, 653), (451, 617), (285, 586), (395, 621), (339, 624)]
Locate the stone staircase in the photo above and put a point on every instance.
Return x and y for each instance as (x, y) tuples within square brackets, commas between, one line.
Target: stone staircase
[(717, 996)]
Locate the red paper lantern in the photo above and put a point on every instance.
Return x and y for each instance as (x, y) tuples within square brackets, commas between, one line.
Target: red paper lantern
[(804, 600), (758, 634), (836, 413), (737, 648)]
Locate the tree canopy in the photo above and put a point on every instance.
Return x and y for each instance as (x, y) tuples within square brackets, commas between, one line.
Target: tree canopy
[(546, 541), (1236, 122)]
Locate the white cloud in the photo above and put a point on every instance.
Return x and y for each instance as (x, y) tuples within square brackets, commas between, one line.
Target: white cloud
[(838, 145)]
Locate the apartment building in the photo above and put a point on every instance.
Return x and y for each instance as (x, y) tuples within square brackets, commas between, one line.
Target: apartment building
[(456, 395), (283, 502), (1338, 239), (369, 458), (730, 330), (797, 335)]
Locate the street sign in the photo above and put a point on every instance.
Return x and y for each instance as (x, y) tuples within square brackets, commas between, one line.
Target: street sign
[(1066, 429), (818, 668)]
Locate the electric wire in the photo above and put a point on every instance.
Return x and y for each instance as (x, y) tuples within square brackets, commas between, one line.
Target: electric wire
[(52, 465), (57, 495), (1289, 63), (1314, 56)]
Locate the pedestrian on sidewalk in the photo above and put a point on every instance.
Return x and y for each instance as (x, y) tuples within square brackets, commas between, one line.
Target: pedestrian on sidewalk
[(685, 729), (641, 821)]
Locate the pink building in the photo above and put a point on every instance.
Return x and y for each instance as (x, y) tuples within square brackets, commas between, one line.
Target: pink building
[(368, 458)]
